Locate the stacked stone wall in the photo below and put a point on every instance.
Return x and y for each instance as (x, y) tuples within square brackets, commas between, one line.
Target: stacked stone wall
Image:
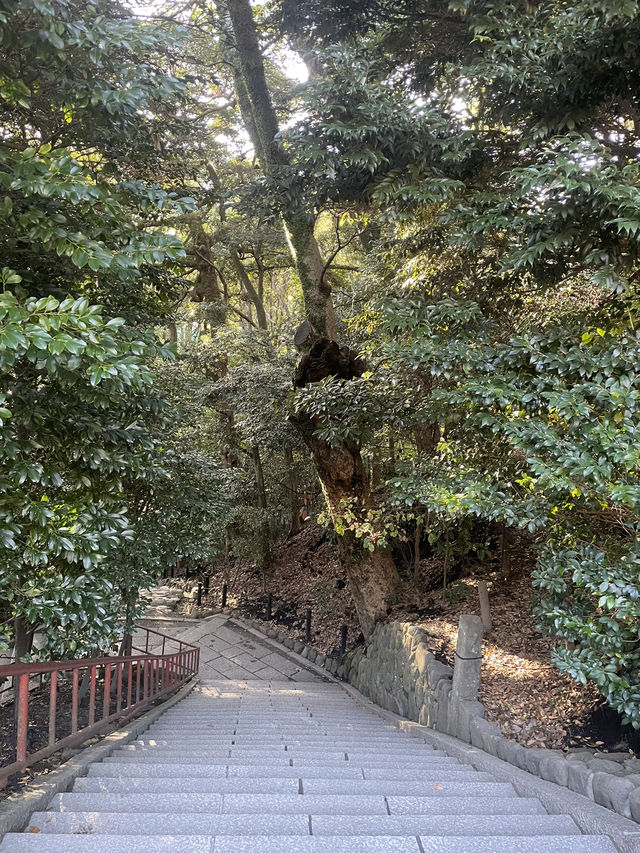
[(399, 672)]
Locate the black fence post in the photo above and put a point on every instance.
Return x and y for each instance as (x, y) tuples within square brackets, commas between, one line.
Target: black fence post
[(199, 594), (269, 606), (307, 627), (224, 595), (207, 582), (343, 640)]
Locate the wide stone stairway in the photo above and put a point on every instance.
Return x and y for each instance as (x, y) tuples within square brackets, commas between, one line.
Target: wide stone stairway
[(258, 766)]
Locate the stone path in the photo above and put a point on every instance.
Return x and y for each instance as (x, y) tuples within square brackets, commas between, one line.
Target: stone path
[(163, 602), (280, 767), (267, 756), (227, 650)]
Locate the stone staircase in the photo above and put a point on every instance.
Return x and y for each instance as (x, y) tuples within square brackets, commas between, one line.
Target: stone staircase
[(282, 767)]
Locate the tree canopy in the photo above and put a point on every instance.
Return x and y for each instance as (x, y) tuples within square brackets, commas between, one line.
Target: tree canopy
[(410, 278)]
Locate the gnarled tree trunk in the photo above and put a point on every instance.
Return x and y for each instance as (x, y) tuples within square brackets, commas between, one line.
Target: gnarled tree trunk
[(373, 576)]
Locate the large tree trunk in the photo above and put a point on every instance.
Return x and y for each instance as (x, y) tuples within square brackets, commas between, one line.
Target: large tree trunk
[(373, 576), (22, 641)]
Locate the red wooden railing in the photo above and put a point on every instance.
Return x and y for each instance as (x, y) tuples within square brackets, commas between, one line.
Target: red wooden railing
[(119, 689)]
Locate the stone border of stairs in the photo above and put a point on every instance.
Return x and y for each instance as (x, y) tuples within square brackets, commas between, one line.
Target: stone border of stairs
[(16, 810), (610, 794)]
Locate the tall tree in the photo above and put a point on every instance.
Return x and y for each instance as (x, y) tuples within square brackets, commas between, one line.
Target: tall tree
[(372, 574), (81, 94), (515, 294)]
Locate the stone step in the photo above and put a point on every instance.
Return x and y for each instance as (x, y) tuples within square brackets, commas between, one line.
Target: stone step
[(285, 758), (261, 714), (410, 749), (301, 719), (271, 697), (341, 712), (343, 715), (324, 728), (342, 770), (317, 731), (220, 771), (185, 823), (322, 825), (26, 842), (182, 785), (15, 842), (407, 756), (285, 803), (428, 844), (292, 785), (278, 740), (264, 704), (274, 739)]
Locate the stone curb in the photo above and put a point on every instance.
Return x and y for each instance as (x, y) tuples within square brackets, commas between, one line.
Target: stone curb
[(16, 810), (591, 818)]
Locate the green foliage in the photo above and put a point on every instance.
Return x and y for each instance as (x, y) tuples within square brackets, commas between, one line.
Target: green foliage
[(593, 602), (75, 391), (82, 98), (82, 92)]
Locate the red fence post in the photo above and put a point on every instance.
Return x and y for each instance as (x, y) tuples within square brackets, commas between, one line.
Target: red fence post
[(119, 666), (130, 684), (74, 701), (23, 716), (53, 696), (107, 691), (92, 697)]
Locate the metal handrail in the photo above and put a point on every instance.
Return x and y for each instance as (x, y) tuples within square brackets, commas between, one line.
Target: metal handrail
[(165, 638), (137, 680)]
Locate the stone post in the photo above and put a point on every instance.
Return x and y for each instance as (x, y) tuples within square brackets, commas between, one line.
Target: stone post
[(463, 704)]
